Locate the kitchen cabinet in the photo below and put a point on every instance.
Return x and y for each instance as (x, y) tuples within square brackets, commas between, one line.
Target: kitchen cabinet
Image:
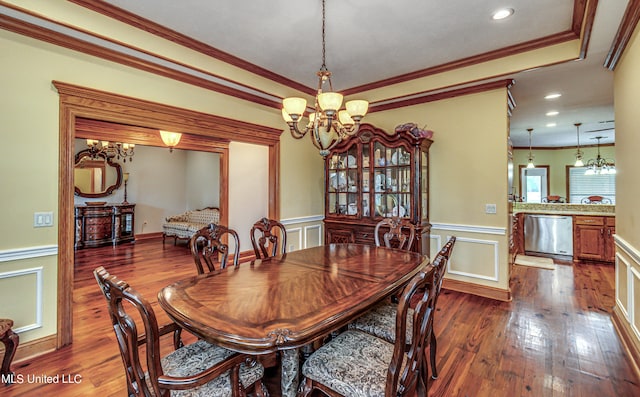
[(373, 175), (593, 238)]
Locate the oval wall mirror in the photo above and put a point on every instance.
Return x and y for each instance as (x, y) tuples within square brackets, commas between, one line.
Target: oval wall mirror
[(95, 175)]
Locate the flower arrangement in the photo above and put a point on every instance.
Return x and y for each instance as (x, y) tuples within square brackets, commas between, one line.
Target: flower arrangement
[(413, 129)]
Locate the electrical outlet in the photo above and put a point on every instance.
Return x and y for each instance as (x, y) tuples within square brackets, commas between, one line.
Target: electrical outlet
[(490, 208), (290, 247)]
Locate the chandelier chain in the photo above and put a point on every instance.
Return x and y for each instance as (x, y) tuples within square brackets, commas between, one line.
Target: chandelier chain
[(324, 51)]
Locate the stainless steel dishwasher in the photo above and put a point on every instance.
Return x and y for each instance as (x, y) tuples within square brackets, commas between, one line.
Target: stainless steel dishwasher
[(548, 234)]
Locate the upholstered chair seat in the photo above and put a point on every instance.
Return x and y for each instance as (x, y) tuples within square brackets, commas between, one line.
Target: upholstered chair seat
[(197, 357), (354, 364), (381, 322)]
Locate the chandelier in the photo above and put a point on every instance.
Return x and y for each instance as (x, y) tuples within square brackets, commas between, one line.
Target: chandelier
[(599, 165), (328, 124), (110, 149), (579, 153), (530, 162)]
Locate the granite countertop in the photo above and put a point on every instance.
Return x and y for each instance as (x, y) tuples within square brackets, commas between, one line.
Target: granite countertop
[(565, 209)]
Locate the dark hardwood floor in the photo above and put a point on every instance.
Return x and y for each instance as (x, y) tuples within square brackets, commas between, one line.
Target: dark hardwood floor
[(555, 338)]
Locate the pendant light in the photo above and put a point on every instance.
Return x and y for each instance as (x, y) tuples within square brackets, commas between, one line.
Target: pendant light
[(530, 163), (578, 162)]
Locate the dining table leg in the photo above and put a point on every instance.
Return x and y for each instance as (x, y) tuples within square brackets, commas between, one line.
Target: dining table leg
[(290, 361)]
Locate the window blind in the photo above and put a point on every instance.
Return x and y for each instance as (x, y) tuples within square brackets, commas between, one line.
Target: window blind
[(581, 185)]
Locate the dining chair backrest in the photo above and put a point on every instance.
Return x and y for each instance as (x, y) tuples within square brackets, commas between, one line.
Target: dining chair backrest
[(266, 236), (445, 253), (130, 339), (407, 364), (396, 232), (596, 200), (208, 247)]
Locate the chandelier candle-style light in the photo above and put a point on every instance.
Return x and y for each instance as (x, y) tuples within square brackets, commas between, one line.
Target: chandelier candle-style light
[(111, 149), (599, 165), (530, 163), (328, 124), (579, 153)]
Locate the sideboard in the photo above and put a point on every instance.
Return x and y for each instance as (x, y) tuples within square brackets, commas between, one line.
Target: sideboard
[(107, 224)]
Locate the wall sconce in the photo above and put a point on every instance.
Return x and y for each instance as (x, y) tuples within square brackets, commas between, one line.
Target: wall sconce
[(170, 139)]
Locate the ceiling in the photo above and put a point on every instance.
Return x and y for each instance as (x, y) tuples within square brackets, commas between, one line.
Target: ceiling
[(371, 40)]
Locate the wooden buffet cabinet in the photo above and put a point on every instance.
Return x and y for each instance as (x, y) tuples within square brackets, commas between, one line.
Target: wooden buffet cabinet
[(99, 225), (373, 175), (593, 238)]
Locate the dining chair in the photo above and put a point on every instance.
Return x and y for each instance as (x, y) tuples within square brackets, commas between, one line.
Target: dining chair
[(10, 340), (356, 363), (197, 369), (208, 248), (393, 236), (595, 200), (379, 321), (270, 234)]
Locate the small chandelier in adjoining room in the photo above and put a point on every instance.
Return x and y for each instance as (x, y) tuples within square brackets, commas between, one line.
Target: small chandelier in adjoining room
[(170, 139), (328, 124), (579, 153), (530, 162), (111, 149), (599, 165)]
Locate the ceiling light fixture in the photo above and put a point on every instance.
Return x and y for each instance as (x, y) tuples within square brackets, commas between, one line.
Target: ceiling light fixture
[(550, 125), (579, 153), (170, 139), (502, 14), (553, 96), (530, 163), (110, 149), (599, 165), (328, 124), (552, 113)]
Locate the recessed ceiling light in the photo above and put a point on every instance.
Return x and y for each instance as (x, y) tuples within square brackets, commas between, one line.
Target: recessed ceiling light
[(552, 113), (502, 14), (551, 125), (553, 96)]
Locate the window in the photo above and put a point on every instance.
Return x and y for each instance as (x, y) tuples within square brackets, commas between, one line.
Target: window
[(581, 185), (535, 183)]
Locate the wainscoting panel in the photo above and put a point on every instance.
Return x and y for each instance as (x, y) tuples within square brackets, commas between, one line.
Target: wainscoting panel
[(27, 313), (465, 257), (304, 232)]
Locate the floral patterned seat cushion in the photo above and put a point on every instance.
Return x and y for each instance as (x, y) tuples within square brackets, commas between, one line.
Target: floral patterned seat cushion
[(381, 322), (197, 357), (354, 364)]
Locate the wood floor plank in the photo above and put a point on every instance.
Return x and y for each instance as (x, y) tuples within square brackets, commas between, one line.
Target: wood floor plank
[(555, 338)]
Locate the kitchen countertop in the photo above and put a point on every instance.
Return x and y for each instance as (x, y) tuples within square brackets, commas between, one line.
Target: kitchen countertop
[(565, 209)]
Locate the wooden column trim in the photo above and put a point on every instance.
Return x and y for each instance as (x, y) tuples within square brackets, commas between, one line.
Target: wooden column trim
[(202, 131)]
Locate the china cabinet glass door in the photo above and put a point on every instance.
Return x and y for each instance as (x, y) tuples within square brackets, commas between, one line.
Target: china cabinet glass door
[(343, 187), (391, 181)]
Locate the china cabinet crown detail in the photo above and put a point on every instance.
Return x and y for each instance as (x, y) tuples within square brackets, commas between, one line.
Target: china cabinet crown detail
[(373, 175)]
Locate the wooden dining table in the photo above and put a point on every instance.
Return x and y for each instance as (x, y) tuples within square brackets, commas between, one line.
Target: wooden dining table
[(288, 301)]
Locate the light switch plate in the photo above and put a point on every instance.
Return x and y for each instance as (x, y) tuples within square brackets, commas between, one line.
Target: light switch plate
[(43, 219), (490, 208)]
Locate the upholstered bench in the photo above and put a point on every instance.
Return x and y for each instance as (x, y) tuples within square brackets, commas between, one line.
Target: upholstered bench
[(185, 225), (10, 340)]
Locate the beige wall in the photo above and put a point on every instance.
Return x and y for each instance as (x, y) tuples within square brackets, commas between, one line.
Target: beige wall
[(626, 89), (557, 160), (29, 107), (467, 170)]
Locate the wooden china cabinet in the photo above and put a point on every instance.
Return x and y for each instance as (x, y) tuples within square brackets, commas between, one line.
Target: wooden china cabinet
[(373, 175)]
